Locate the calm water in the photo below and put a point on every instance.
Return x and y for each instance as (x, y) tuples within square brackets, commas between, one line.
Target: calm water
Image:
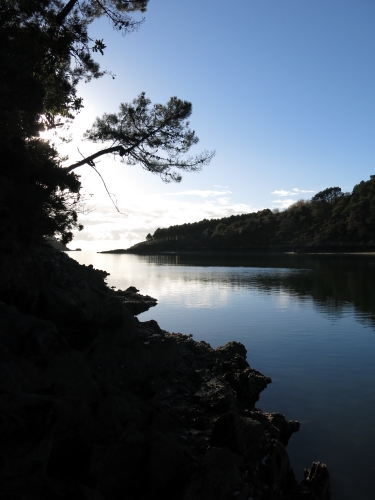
[(308, 322)]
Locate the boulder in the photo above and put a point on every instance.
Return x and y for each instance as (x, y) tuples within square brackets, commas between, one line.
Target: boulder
[(240, 435)]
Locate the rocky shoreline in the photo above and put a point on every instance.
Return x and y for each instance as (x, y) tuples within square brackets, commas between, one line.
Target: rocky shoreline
[(95, 404)]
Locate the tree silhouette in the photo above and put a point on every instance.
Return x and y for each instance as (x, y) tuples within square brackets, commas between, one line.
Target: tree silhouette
[(117, 11), (156, 137), (46, 50)]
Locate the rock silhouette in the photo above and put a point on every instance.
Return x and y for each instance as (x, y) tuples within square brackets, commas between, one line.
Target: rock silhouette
[(95, 404)]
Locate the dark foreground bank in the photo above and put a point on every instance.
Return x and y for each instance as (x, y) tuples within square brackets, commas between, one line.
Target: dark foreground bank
[(97, 405)]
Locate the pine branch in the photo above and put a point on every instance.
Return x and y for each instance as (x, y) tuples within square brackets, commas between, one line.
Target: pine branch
[(90, 159)]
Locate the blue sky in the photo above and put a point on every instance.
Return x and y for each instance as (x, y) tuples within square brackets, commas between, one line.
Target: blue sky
[(283, 90)]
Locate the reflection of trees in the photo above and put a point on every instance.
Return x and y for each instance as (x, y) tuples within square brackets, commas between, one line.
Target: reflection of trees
[(332, 281), (166, 260)]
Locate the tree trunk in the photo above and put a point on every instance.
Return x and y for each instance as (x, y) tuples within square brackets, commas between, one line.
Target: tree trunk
[(64, 12)]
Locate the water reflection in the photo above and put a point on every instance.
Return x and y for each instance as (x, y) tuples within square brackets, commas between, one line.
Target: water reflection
[(332, 281), (298, 316)]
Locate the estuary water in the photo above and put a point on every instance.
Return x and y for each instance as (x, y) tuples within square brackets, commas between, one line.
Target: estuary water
[(307, 321)]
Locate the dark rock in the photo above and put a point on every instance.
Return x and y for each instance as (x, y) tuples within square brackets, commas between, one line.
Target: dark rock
[(277, 472), (247, 384), (166, 464), (276, 425), (88, 493), (216, 394), (36, 358), (230, 349), (240, 435), (315, 484), (95, 405), (218, 477), (134, 301)]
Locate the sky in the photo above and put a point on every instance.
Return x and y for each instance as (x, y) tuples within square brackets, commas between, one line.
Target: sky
[(283, 90)]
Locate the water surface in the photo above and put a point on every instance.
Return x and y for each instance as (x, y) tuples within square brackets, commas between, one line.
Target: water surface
[(308, 322)]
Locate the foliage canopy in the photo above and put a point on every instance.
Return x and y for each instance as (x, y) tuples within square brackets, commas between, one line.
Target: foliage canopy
[(45, 52), (155, 137)]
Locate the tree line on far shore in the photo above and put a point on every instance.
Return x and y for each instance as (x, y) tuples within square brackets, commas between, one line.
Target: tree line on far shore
[(331, 218)]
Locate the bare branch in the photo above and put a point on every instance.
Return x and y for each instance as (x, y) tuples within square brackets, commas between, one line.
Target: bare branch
[(90, 159), (111, 195)]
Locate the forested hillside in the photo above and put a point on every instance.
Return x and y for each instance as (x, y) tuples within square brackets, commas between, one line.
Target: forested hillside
[(331, 220)]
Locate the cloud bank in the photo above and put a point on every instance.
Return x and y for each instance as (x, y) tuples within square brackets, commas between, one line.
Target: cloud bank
[(105, 229), (204, 193), (286, 202), (293, 192)]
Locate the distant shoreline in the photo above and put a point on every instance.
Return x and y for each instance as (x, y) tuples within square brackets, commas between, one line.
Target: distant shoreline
[(233, 252)]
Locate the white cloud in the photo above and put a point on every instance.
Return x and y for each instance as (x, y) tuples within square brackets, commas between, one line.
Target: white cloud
[(105, 229), (303, 190), (204, 193), (285, 203), (281, 192), (223, 201), (293, 192)]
